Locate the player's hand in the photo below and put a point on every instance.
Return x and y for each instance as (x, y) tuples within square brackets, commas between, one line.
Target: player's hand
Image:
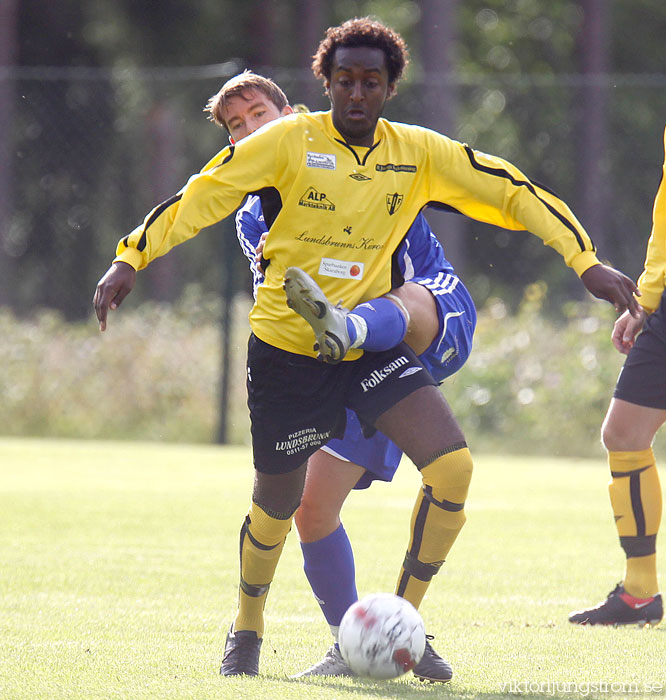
[(626, 329), (260, 252), (605, 282), (116, 284)]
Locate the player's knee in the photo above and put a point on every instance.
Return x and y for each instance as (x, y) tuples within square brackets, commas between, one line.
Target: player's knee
[(452, 467), (449, 475), (268, 527), (313, 520), (616, 437)]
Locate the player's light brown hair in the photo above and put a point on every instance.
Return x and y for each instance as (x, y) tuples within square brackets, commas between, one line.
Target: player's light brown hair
[(362, 31), (237, 87)]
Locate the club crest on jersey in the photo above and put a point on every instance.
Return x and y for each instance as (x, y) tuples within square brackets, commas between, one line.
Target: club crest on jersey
[(316, 200), (393, 202), (326, 161)]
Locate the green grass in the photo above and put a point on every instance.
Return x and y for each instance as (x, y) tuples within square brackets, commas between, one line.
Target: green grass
[(118, 579)]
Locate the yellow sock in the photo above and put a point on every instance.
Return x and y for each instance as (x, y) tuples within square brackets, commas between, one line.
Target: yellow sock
[(261, 541), (635, 495), (437, 518)]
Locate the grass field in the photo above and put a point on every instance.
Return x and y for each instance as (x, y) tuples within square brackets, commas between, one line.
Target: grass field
[(119, 574)]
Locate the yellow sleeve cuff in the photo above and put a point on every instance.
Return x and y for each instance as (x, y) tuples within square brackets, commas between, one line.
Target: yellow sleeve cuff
[(649, 300), (132, 257), (584, 261)]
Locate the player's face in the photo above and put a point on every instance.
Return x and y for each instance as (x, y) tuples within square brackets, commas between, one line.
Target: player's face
[(245, 113), (358, 89)]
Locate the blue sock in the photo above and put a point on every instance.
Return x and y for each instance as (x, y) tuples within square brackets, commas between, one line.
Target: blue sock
[(376, 325), (329, 567)]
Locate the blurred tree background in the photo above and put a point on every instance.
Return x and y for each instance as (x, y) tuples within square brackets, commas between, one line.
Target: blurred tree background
[(100, 119)]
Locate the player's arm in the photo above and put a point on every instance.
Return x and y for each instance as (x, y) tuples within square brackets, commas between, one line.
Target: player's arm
[(651, 282), (493, 190), (252, 231), (207, 198)]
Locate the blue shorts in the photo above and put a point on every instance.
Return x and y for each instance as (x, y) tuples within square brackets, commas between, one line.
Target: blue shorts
[(445, 356)]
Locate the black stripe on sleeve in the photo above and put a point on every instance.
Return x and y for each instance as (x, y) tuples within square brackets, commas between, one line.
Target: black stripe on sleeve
[(158, 210), (500, 172)]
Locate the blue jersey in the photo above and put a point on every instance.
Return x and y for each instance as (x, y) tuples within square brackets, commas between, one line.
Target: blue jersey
[(420, 259)]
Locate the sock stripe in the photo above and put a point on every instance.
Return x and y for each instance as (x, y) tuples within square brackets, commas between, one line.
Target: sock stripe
[(443, 504), (419, 526), (402, 584), (639, 546), (419, 569), (245, 530), (633, 472), (253, 591), (637, 504)]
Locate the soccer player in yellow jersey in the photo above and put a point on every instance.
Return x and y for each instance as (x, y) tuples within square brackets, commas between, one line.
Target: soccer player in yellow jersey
[(636, 412), (343, 188)]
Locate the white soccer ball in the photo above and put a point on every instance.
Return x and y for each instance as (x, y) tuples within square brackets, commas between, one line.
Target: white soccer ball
[(382, 636)]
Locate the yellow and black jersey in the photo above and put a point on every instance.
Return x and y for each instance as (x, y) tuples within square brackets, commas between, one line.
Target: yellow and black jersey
[(653, 279), (339, 212)]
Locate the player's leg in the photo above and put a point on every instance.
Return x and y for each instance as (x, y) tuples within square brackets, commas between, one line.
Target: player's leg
[(376, 325), (293, 410), (636, 412), (327, 552), (424, 324), (636, 500), (262, 537), (328, 559), (423, 425)]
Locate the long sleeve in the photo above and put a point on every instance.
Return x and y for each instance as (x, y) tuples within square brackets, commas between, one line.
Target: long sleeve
[(653, 279), (490, 189), (207, 198)]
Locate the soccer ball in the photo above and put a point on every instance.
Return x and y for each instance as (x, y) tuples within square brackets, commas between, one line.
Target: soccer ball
[(382, 636)]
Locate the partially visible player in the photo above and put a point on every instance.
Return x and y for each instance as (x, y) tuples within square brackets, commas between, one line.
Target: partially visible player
[(636, 412), (441, 324)]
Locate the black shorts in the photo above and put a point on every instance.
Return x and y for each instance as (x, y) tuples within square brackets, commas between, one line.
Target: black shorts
[(297, 404), (642, 379)]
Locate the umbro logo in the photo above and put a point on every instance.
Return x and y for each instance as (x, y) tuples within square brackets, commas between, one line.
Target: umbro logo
[(359, 177), (409, 371)]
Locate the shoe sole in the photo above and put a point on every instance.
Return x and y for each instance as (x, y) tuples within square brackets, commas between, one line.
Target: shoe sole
[(301, 298)]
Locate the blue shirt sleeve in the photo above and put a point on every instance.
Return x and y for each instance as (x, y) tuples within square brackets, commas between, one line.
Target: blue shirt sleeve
[(250, 226)]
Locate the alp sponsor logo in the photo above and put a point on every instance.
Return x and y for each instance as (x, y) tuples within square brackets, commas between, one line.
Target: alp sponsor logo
[(393, 202), (377, 376), (359, 177), (325, 161), (316, 200), (382, 168)]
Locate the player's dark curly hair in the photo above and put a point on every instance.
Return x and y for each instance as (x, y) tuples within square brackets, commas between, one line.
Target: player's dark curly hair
[(362, 31)]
